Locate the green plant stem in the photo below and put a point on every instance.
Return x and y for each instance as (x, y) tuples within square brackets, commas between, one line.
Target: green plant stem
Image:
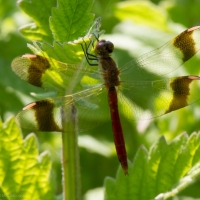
[(70, 156)]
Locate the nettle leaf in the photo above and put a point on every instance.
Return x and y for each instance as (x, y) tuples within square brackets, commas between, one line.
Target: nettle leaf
[(39, 11), (142, 12), (160, 173), (23, 173), (71, 19), (65, 64), (65, 58), (68, 21)]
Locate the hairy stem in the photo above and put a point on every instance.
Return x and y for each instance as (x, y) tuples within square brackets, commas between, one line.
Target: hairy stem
[(70, 155)]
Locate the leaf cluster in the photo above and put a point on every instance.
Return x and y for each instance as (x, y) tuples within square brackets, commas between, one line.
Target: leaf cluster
[(135, 28)]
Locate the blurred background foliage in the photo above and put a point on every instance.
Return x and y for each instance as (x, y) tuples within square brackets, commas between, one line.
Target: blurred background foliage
[(135, 27)]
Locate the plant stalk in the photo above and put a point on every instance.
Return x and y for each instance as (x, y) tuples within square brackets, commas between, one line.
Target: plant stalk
[(70, 155)]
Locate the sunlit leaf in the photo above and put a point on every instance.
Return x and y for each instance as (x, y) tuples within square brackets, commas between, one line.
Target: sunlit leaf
[(39, 11), (24, 174), (71, 19), (161, 173), (142, 12)]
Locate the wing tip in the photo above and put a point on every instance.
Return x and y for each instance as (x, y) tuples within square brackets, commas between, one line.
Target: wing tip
[(29, 106), (194, 77), (193, 28)]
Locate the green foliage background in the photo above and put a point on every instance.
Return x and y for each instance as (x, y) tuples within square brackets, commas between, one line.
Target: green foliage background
[(148, 25)]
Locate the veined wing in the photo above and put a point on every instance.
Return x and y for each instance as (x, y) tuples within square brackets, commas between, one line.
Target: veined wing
[(165, 59), (139, 100), (148, 99), (45, 115), (46, 72)]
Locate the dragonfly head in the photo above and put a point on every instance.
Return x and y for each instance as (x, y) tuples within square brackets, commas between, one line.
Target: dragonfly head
[(104, 47)]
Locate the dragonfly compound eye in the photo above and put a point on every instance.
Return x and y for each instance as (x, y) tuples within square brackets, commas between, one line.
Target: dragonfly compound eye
[(109, 46), (104, 46)]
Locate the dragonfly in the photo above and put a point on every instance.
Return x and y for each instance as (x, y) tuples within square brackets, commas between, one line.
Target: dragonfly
[(140, 88)]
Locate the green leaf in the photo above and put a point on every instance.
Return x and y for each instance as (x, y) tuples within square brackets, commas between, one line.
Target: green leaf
[(23, 173), (7, 8), (66, 59), (71, 19), (161, 173), (143, 12), (39, 11), (177, 12)]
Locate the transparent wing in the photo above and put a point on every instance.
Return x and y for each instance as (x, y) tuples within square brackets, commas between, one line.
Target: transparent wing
[(46, 71), (91, 105), (148, 99), (165, 59), (139, 100)]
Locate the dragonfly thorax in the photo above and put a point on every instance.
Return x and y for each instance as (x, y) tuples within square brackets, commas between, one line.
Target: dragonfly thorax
[(104, 48), (109, 71), (108, 67)]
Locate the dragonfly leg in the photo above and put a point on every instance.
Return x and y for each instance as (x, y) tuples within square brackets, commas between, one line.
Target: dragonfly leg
[(89, 59), (89, 56)]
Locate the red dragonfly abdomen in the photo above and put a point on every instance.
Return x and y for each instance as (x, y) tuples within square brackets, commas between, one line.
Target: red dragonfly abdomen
[(110, 75), (117, 129)]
